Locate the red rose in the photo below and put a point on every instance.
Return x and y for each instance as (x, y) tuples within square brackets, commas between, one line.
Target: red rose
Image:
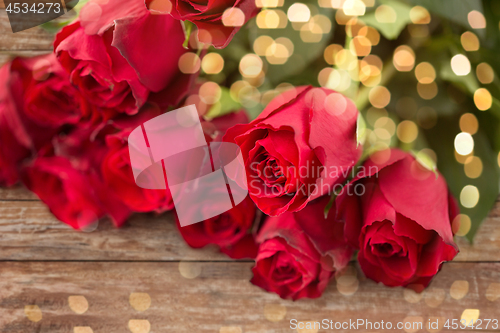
[(36, 98), (120, 55), (295, 263), (298, 149), (398, 214), (65, 190), (217, 21), (230, 231), (118, 178)]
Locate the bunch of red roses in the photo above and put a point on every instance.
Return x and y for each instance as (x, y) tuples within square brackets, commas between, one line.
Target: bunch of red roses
[(65, 117)]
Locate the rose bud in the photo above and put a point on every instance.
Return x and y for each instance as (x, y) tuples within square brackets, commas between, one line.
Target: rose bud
[(36, 99), (295, 262), (217, 22), (120, 55), (298, 149), (230, 231), (398, 214)]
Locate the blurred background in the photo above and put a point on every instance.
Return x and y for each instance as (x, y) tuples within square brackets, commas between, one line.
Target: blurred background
[(423, 74)]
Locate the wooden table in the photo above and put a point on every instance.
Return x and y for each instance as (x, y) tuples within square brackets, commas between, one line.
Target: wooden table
[(143, 278)]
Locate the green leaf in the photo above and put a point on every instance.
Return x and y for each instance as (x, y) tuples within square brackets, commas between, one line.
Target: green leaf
[(453, 10), (56, 25), (225, 105), (441, 140), (467, 82), (360, 130), (187, 26), (425, 160), (390, 30)]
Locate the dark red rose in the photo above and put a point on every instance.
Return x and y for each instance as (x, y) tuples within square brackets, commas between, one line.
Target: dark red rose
[(398, 214), (295, 262), (65, 190), (120, 55), (36, 99), (230, 231), (118, 178), (298, 149), (217, 21)]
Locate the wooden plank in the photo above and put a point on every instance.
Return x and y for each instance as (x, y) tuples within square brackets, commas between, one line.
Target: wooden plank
[(28, 231), (218, 297), (16, 193), (32, 39)]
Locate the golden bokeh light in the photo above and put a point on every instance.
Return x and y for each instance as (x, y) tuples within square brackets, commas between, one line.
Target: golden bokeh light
[(420, 15), (268, 19), (251, 65), (425, 73), (212, 63), (210, 92), (469, 41), (485, 73), (353, 27), (464, 143), (476, 20), (189, 63), (33, 313), (139, 326), (160, 6), (385, 14), (386, 124), (473, 167), (469, 196), (470, 315), (330, 53), (371, 33), (469, 123), (269, 3), (324, 23), (299, 12), (311, 32), (427, 91), (261, 44), (404, 58), (459, 289), (278, 53), (354, 7), (233, 17), (140, 301), (78, 304), (407, 131), (461, 225), (483, 99), (360, 46), (379, 97), (341, 18), (274, 312), (460, 65)]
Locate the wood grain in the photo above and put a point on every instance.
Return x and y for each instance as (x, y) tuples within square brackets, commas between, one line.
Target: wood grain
[(28, 231), (32, 39), (221, 296)]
